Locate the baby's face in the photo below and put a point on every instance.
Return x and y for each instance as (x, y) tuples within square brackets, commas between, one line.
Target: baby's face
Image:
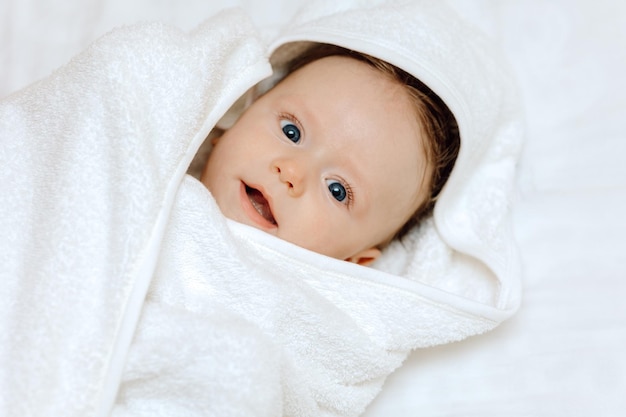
[(330, 159)]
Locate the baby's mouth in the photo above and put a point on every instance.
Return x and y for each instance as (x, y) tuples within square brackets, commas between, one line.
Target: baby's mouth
[(260, 204)]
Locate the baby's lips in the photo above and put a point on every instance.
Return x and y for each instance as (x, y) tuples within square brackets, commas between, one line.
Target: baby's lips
[(260, 203), (257, 206)]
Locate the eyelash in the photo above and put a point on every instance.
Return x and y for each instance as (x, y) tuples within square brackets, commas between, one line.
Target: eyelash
[(293, 119), (349, 192)]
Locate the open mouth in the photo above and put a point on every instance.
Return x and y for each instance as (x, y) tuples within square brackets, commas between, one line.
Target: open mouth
[(260, 204)]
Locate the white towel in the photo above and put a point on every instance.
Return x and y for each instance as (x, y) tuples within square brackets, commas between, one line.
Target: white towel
[(90, 162), (236, 322)]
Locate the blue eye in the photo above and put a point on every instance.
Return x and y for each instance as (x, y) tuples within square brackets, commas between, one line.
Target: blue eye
[(337, 190), (291, 131)]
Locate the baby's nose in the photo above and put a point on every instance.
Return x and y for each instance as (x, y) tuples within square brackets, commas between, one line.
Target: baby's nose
[(291, 173)]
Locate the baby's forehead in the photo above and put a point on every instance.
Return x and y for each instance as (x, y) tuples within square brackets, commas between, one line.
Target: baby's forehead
[(343, 78), (328, 67)]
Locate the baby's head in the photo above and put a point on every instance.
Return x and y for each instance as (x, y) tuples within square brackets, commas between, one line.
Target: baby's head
[(343, 155)]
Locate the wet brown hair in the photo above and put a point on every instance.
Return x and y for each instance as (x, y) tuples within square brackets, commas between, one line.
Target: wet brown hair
[(442, 141)]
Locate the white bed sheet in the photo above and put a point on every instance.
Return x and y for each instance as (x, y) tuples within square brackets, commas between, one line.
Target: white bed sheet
[(563, 354)]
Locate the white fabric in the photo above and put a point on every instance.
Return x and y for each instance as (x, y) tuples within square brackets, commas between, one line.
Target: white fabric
[(562, 354), (91, 160)]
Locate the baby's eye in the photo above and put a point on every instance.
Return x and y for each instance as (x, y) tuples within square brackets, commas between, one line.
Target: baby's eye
[(337, 190), (291, 131)]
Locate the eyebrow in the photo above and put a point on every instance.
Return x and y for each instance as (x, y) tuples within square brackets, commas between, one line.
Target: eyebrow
[(303, 113)]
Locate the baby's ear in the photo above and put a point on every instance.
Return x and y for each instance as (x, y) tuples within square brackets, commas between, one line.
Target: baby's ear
[(365, 257)]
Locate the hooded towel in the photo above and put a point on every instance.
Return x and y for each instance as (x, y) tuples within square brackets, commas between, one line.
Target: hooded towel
[(126, 292)]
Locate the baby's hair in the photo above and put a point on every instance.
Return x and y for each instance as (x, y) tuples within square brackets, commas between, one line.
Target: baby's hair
[(440, 128)]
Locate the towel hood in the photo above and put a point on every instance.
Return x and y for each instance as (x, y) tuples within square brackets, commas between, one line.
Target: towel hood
[(467, 248)]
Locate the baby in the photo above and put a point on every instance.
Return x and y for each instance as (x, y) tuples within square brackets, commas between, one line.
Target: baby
[(343, 155)]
